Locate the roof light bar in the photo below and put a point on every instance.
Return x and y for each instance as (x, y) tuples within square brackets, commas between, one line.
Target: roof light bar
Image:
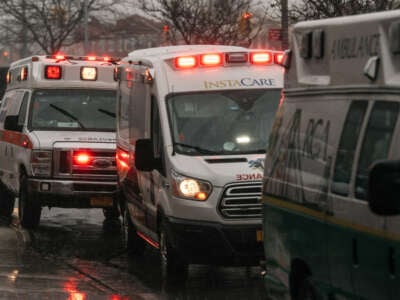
[(185, 62)]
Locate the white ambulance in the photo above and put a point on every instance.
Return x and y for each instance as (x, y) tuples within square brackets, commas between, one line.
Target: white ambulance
[(192, 128), (57, 136), (331, 189)]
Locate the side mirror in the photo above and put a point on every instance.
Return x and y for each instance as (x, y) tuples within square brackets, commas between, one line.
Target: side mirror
[(11, 123), (384, 188), (144, 157)]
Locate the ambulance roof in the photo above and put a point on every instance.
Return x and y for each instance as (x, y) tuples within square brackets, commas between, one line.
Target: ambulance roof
[(172, 51), (32, 72), (210, 67), (361, 50)]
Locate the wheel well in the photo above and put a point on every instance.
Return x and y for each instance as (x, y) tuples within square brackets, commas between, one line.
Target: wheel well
[(22, 170)]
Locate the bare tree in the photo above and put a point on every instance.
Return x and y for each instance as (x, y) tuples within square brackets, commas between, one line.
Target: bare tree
[(47, 23), (205, 21), (320, 9)]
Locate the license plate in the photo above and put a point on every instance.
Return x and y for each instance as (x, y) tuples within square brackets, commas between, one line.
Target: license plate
[(259, 235), (101, 201)]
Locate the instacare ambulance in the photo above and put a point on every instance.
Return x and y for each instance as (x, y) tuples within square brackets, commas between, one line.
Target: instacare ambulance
[(57, 136), (331, 187), (192, 128)]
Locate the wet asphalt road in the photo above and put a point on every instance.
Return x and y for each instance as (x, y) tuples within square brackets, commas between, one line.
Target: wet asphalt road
[(72, 257)]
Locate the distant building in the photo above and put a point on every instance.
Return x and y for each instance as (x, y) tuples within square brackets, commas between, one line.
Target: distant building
[(126, 35)]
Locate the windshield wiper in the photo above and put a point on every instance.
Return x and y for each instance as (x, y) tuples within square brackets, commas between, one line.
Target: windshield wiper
[(68, 114), (106, 112), (198, 149)]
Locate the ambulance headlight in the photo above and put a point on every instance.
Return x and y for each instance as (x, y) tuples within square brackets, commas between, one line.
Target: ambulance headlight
[(41, 162), (190, 188)]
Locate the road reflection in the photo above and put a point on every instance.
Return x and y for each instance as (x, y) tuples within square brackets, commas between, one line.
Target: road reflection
[(77, 238)]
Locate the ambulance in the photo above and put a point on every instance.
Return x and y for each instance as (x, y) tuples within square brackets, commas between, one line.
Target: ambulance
[(192, 128), (331, 186), (57, 136)]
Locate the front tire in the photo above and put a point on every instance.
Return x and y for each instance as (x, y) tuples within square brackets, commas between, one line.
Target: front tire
[(29, 208), (7, 201), (135, 245), (173, 268)]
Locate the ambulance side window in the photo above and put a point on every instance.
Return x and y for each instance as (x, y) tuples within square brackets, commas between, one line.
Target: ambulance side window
[(347, 147), (156, 135), (377, 140), (23, 110)]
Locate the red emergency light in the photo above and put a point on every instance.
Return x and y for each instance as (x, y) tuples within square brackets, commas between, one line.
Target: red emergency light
[(185, 62), (82, 158), (211, 59), (59, 56), (52, 72), (261, 58), (278, 58), (91, 58)]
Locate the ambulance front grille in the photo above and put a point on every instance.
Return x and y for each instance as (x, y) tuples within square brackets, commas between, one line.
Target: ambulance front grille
[(241, 200), (101, 166)]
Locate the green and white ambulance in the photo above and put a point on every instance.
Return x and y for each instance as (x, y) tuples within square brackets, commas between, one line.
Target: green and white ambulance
[(331, 180)]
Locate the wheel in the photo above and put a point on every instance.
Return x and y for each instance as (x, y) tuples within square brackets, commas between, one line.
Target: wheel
[(173, 268), (29, 208), (134, 244), (112, 222), (6, 204), (307, 290)]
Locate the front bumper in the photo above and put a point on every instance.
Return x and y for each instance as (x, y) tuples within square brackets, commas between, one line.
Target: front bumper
[(214, 243), (74, 194)]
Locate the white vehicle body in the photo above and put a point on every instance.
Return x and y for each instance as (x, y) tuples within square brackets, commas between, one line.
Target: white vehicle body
[(332, 170), (202, 186), (62, 110)]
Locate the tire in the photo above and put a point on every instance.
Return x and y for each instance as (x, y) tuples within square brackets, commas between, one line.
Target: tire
[(307, 290), (135, 245), (7, 201), (29, 208), (173, 268), (112, 223)]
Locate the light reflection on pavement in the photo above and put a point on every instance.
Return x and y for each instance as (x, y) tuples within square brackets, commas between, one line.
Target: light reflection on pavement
[(73, 258)]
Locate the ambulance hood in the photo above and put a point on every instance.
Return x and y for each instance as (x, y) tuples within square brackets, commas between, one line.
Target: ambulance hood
[(220, 170), (74, 139)]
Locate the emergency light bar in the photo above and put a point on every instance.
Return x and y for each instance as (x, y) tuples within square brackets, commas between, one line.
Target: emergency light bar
[(61, 57), (217, 59)]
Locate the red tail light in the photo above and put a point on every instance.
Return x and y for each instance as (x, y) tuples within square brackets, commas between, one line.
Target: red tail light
[(185, 62), (82, 158)]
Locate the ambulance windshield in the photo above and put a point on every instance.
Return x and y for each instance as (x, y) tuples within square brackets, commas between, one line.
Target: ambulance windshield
[(222, 122), (90, 110)]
